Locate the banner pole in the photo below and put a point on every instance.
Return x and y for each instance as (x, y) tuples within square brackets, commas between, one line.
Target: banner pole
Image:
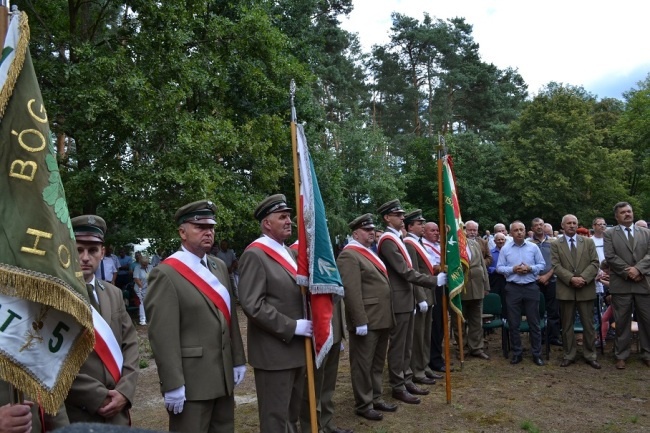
[(443, 252), (309, 352)]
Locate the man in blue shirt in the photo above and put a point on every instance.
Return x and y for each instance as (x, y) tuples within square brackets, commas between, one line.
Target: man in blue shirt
[(520, 262)]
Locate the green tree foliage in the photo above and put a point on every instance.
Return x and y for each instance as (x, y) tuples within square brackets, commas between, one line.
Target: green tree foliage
[(634, 130), (555, 161), (165, 102)]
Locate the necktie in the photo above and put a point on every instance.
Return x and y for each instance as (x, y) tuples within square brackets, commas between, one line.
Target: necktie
[(574, 250), (203, 263), (630, 238), (91, 296)]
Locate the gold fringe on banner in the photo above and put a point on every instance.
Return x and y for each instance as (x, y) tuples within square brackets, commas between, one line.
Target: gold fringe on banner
[(16, 65), (56, 293)]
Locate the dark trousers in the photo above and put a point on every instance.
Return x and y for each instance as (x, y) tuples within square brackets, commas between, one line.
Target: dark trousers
[(552, 310), (437, 361), (524, 298), (279, 399)]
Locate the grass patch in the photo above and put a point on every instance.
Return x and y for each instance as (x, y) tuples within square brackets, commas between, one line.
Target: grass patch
[(529, 426)]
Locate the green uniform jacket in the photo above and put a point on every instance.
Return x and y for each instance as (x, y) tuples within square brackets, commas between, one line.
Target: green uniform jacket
[(91, 386), (271, 299), (367, 292), (190, 338)]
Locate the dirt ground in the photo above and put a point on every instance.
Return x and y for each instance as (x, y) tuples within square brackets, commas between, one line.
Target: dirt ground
[(487, 396)]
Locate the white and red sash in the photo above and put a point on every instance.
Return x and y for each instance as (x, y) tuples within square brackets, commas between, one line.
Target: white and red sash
[(107, 347), (421, 252), (200, 277), (368, 254), (277, 252), (400, 245), (433, 250)]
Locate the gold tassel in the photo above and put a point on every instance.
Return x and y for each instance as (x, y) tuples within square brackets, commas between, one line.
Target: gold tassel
[(16, 65)]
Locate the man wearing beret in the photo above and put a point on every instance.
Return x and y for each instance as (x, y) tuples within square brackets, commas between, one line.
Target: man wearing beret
[(424, 298), (369, 317), (193, 329), (401, 274), (271, 298), (104, 388)]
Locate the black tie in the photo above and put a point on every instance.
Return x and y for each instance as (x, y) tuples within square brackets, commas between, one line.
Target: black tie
[(203, 263), (91, 296), (630, 238), (574, 250)]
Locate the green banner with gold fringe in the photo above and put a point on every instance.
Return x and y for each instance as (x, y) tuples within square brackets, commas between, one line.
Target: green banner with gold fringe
[(46, 329)]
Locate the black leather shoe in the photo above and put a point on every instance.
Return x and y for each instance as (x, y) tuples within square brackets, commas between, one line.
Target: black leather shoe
[(538, 360), (405, 397), (416, 390), (516, 359), (567, 362), (594, 364), (433, 375), (385, 407), (554, 342), (371, 414), (442, 369), (424, 380)]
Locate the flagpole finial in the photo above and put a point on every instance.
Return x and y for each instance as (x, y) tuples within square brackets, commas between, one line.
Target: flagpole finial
[(292, 91)]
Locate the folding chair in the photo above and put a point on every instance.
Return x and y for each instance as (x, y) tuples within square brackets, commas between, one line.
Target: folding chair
[(492, 307)]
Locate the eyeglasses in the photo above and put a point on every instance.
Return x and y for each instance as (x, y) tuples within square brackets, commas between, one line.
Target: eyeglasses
[(600, 224)]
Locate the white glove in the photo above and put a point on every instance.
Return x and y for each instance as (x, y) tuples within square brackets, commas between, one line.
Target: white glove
[(423, 306), (239, 371), (304, 327), (175, 399), (442, 278), (362, 330)]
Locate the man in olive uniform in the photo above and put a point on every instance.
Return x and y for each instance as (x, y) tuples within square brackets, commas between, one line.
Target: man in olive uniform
[(101, 393), (271, 298), (369, 317), (401, 274), (424, 297), (193, 329)]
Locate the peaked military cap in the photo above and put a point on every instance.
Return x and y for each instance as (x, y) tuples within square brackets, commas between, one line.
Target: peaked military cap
[(198, 212), (89, 228), (414, 215), (271, 204), (392, 206), (362, 222)]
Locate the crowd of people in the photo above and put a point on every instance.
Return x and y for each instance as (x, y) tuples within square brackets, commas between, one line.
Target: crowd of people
[(392, 310)]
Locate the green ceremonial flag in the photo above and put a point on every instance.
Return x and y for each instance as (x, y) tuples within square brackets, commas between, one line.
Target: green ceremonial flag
[(456, 257), (46, 328)]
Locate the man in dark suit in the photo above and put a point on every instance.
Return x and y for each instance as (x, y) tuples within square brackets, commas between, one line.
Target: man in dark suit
[(369, 317), (101, 393), (424, 297), (627, 251), (271, 298), (575, 262), (401, 274), (193, 329)]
